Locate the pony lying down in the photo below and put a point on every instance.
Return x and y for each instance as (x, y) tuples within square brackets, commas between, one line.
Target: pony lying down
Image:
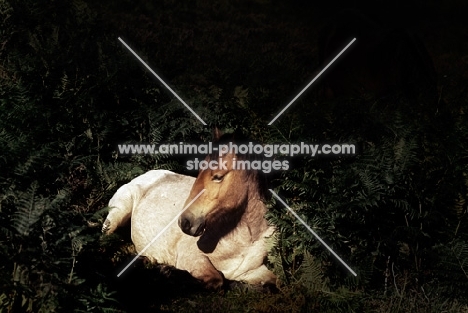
[(221, 235)]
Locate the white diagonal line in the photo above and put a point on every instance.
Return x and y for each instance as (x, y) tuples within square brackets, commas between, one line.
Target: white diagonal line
[(313, 233), (313, 80), (162, 81), (160, 233)]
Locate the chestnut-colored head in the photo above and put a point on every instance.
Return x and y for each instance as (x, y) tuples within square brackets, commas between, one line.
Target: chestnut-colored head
[(227, 192)]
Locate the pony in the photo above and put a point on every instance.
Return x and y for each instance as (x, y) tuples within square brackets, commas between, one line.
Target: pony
[(220, 237)]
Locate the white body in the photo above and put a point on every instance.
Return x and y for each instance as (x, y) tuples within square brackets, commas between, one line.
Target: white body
[(153, 199)]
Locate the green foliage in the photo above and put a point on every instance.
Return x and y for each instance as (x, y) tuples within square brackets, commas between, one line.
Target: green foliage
[(29, 210), (57, 136), (399, 200)]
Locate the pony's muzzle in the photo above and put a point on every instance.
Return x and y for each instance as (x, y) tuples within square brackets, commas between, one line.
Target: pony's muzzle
[(191, 225)]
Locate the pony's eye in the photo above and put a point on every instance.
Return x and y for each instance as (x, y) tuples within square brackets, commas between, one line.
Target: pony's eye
[(217, 178)]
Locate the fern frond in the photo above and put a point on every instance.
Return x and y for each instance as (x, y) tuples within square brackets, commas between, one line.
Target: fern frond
[(29, 209), (310, 274), (459, 251), (274, 256), (406, 153)]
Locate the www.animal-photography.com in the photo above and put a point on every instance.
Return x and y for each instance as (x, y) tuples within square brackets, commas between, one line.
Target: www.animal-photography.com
[(233, 156)]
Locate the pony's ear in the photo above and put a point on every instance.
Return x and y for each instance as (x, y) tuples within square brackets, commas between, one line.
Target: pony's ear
[(216, 133)]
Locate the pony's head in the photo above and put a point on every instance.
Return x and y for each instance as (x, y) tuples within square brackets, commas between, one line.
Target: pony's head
[(228, 187)]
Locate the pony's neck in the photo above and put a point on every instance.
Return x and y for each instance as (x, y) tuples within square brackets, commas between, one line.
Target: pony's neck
[(254, 218), (254, 214)]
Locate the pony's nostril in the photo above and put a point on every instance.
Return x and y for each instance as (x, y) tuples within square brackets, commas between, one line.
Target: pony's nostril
[(185, 225)]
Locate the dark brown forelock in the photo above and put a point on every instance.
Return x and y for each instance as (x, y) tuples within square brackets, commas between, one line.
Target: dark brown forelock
[(258, 177)]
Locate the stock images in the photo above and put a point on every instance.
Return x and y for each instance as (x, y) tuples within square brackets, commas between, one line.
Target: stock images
[(233, 156)]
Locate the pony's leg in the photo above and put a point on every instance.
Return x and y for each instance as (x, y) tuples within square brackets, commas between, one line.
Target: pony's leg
[(121, 207), (200, 267), (259, 276), (127, 198)]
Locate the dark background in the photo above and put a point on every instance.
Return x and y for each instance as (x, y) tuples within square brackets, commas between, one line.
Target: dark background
[(70, 92)]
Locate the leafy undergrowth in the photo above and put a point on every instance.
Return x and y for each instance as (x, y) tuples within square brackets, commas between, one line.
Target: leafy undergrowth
[(147, 287), (298, 300)]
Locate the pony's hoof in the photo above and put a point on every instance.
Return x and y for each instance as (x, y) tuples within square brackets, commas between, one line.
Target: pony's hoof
[(106, 226)]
